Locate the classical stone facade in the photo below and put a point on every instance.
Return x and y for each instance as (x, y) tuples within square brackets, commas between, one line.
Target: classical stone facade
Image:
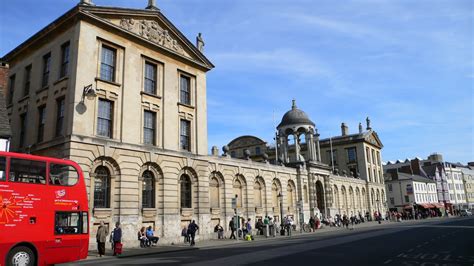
[(332, 188), (123, 93)]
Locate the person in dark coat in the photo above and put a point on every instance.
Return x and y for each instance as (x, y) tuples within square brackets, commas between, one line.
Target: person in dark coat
[(232, 229), (117, 238), (192, 228)]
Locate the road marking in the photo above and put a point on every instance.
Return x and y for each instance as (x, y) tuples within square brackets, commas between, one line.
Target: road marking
[(387, 261), (410, 250), (419, 246)]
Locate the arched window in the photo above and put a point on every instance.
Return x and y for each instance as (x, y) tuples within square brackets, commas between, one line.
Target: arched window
[(148, 190), (185, 185), (305, 193), (214, 192), (290, 199), (102, 187), (258, 194), (275, 192), (238, 191)]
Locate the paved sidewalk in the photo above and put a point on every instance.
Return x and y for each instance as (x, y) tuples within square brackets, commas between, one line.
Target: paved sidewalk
[(134, 252)]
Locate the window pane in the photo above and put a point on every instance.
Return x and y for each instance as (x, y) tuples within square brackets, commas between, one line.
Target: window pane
[(150, 78), (23, 120), (11, 89), (148, 190), (41, 122), (104, 120), (102, 188), (46, 68), (185, 135), (64, 60), (185, 192), (351, 155), (68, 223), (59, 117), (63, 175), (27, 171), (185, 90), (107, 66), (3, 168)]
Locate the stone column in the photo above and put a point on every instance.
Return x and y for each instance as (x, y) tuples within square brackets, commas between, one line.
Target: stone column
[(318, 150), (297, 146)]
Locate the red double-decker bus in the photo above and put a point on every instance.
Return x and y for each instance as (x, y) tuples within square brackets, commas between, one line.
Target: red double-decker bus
[(43, 210)]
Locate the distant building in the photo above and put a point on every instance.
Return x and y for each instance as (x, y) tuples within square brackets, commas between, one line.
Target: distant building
[(448, 177), (407, 192), (468, 179)]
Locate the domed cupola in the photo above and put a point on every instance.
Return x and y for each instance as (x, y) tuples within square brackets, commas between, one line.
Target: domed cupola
[(296, 123), (295, 117)]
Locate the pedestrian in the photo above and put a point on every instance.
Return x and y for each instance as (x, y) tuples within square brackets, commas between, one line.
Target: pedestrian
[(192, 228), (248, 227), (151, 236), (311, 223), (219, 230), (232, 229), (271, 226), (184, 233), (117, 238), (266, 223), (101, 236)]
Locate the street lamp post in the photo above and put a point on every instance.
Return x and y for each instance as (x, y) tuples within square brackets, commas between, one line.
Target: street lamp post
[(282, 229)]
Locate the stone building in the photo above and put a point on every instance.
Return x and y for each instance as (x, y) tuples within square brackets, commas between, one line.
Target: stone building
[(123, 93), (332, 190), (448, 176), (468, 179), (407, 192)]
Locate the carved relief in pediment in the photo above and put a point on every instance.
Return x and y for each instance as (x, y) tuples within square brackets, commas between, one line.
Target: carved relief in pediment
[(152, 31)]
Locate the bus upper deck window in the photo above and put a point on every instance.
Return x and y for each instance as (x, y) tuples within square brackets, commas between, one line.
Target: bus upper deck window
[(62, 175), (3, 163), (27, 171)]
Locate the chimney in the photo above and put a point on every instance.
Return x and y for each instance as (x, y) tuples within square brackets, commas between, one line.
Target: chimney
[(415, 166), (4, 70), (200, 43), (360, 128), (152, 5), (86, 2), (344, 129)]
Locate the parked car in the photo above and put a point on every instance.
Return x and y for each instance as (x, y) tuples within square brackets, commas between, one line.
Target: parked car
[(465, 213)]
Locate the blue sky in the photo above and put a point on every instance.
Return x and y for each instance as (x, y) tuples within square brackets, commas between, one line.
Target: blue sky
[(406, 64)]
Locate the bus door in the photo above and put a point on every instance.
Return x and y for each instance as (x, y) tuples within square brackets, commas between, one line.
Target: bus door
[(66, 242)]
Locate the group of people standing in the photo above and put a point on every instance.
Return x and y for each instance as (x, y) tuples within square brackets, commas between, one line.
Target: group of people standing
[(115, 239)]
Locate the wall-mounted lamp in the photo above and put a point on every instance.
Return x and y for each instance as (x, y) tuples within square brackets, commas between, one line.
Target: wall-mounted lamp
[(88, 92)]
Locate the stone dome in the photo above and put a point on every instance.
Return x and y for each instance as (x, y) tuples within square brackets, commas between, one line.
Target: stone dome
[(295, 117)]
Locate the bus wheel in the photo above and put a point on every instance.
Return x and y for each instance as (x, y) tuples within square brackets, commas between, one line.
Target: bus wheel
[(21, 256)]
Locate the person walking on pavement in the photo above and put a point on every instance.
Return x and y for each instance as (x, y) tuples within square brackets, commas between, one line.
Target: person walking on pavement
[(266, 223), (192, 228), (101, 236), (232, 229), (117, 238)]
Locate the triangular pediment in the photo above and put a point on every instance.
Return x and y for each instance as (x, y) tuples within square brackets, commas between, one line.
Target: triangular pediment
[(153, 27), (373, 139)]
